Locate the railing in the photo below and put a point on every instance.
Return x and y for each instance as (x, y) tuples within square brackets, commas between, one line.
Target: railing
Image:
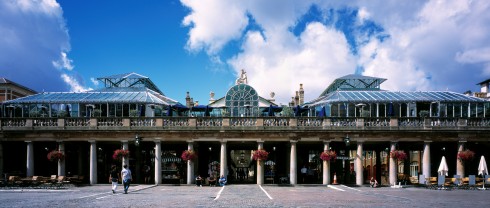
[(243, 121), (276, 121), (314, 122), (346, 122), (411, 122), (143, 122), (175, 121), (14, 122), (109, 122), (209, 121), (186, 123), (45, 122), (75, 122), (377, 122)]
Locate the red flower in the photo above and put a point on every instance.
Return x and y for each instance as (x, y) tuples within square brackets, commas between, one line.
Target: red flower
[(398, 154), (260, 155), (466, 155), (120, 153), (188, 155), (328, 155), (56, 155)]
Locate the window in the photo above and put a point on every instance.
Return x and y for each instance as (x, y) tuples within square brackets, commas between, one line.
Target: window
[(242, 100)]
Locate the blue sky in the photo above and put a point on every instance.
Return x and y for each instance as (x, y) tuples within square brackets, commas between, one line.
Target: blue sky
[(201, 45)]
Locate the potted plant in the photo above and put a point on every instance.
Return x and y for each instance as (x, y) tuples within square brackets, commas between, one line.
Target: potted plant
[(423, 113), (188, 155), (398, 155), (55, 156), (260, 154), (466, 155), (133, 113), (97, 112), (120, 153), (328, 155)]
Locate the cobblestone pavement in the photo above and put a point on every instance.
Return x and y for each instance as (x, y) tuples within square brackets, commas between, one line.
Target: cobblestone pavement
[(243, 196)]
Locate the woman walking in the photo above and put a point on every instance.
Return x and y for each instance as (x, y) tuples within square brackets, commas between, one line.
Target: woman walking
[(114, 178)]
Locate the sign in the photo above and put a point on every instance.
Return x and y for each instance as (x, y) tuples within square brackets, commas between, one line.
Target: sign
[(343, 158)]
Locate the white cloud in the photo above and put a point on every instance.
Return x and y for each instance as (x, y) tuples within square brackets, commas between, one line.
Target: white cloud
[(34, 43), (73, 83), (430, 45), (213, 23), (63, 63), (94, 81)]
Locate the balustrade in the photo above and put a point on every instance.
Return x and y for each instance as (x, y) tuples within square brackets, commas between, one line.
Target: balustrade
[(411, 122), (343, 122), (276, 121), (314, 122), (143, 122), (77, 122), (109, 122), (45, 122), (176, 121), (243, 121), (209, 121), (376, 121), (14, 122)]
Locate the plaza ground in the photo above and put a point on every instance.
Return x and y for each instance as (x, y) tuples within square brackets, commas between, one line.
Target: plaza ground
[(243, 196)]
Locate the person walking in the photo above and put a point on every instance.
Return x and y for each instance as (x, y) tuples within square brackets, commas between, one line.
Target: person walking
[(114, 178), (126, 177)]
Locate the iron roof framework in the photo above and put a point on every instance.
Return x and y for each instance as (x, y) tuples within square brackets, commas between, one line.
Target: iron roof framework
[(129, 80), (354, 82)]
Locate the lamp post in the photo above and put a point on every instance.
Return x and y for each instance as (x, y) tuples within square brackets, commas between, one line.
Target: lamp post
[(137, 140), (347, 153)]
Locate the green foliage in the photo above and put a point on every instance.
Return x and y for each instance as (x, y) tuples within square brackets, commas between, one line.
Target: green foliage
[(423, 113), (287, 111), (133, 113), (62, 113), (97, 113), (366, 113), (34, 113)]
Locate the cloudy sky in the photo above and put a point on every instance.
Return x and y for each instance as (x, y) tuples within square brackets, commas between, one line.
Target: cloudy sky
[(201, 45)]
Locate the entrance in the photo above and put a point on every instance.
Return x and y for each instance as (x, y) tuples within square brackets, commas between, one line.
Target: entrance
[(242, 166)]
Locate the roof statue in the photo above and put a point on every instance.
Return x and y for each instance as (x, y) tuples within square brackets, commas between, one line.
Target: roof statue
[(243, 78)]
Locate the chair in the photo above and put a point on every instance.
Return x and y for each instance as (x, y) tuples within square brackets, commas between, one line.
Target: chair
[(422, 180), (60, 182), (441, 179)]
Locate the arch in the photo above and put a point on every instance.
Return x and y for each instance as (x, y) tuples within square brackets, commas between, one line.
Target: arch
[(242, 100)]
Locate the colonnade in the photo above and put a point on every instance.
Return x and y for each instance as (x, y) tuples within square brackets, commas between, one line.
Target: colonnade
[(426, 164)]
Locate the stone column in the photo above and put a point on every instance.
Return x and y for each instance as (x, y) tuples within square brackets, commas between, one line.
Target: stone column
[(61, 163), (190, 165), (260, 166), (30, 159), (359, 171), (326, 165), (426, 160), (460, 163), (125, 160), (393, 165), (223, 166), (158, 162), (293, 168), (93, 162)]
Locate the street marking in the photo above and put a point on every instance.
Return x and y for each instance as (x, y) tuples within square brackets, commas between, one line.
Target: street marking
[(219, 193), (351, 188), (265, 192), (333, 187)]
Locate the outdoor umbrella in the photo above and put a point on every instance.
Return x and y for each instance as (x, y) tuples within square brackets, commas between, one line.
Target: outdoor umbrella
[(443, 167), (207, 111), (322, 112), (271, 111), (169, 111), (67, 109), (482, 169)]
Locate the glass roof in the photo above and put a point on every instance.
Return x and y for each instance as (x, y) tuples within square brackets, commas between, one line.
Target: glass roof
[(387, 96), (106, 95)]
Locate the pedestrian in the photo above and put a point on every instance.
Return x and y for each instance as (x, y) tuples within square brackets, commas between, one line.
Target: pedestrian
[(126, 177), (222, 180), (373, 182), (147, 174), (114, 178), (304, 171), (199, 181)]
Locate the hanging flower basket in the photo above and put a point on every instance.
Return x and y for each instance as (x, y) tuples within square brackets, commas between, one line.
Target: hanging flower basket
[(56, 155), (466, 155), (328, 155), (120, 153), (260, 155), (188, 155), (398, 154)]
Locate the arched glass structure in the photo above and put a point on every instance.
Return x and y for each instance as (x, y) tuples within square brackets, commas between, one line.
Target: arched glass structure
[(242, 100)]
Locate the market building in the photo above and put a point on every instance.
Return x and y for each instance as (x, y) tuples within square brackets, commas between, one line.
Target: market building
[(354, 117)]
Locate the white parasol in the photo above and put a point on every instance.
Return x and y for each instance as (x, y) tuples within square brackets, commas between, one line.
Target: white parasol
[(443, 167), (483, 169)]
